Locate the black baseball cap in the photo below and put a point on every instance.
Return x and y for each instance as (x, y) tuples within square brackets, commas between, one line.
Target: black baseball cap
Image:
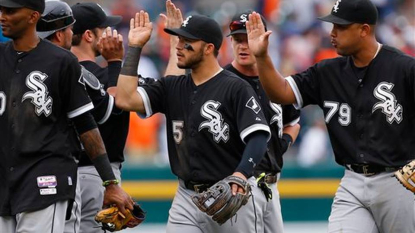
[(90, 15), (199, 27), (36, 5), (346, 12), (238, 26)]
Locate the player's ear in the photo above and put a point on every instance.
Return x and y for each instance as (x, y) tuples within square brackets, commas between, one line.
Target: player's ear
[(365, 30), (34, 17), (209, 48), (89, 36)]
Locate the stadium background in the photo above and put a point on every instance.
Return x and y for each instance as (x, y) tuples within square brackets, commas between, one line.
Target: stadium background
[(310, 176)]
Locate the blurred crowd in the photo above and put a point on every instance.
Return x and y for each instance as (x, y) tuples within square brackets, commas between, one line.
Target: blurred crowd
[(298, 41)]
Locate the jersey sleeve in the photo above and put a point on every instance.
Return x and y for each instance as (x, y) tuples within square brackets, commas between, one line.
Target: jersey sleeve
[(103, 102), (153, 93), (290, 115), (249, 114), (305, 86), (75, 96)]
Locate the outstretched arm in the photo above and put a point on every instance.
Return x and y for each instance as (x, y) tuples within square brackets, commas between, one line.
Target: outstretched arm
[(127, 97), (275, 85), (173, 19)]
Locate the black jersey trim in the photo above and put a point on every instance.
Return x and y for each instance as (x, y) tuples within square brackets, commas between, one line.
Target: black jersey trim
[(297, 93), (81, 110), (292, 123), (253, 128), (109, 110), (146, 100)]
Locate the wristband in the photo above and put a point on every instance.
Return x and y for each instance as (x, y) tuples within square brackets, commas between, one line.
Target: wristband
[(132, 58), (103, 166), (288, 139), (109, 182)]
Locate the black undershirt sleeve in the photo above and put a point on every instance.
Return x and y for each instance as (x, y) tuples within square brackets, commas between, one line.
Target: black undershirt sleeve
[(114, 69), (84, 122), (256, 146)]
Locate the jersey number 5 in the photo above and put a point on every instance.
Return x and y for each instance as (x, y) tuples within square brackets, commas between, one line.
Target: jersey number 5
[(2, 102), (345, 112), (178, 131)]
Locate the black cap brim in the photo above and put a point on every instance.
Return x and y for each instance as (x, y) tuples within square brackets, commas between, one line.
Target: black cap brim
[(10, 4), (180, 32), (111, 21), (239, 31), (334, 19)]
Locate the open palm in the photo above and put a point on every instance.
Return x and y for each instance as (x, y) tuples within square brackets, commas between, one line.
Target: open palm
[(140, 29), (257, 37)]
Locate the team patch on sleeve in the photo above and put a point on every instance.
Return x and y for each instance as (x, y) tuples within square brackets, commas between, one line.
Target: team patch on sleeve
[(253, 104)]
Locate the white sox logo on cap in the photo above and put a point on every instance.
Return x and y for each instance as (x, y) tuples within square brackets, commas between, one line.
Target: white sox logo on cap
[(336, 6), (244, 18), (186, 21)]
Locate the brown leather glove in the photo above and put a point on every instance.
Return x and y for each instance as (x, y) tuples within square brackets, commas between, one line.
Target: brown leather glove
[(406, 175), (113, 220)]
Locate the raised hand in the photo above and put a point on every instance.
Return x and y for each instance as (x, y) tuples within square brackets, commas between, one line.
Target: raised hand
[(140, 29), (257, 36), (111, 45), (173, 17)]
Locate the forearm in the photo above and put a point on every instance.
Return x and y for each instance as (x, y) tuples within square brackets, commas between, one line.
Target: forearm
[(172, 68), (114, 69), (95, 149), (126, 97), (276, 87), (289, 136), (292, 131), (255, 149), (93, 144)]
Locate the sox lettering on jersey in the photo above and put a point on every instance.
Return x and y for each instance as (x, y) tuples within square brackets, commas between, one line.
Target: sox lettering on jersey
[(214, 123), (388, 103), (277, 117), (39, 93)]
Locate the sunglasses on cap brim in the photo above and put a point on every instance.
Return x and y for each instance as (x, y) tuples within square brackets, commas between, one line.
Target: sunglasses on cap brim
[(237, 25)]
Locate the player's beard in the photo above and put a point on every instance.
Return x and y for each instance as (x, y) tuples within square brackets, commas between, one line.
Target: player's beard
[(95, 48), (192, 61)]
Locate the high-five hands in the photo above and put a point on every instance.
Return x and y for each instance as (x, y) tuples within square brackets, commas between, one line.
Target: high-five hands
[(257, 36), (140, 29)]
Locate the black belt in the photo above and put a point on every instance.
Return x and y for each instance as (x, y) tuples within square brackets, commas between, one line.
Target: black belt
[(197, 187), (369, 170), (269, 178)]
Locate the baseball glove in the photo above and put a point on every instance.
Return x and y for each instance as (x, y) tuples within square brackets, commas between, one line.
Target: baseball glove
[(218, 201), (114, 220), (406, 175)]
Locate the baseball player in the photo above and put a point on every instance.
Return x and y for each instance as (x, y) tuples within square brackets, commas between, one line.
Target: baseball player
[(283, 122), (215, 124), (40, 89), (55, 25), (367, 97), (92, 23)]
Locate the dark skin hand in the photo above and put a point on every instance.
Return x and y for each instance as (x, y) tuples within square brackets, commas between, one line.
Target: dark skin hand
[(114, 194)]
